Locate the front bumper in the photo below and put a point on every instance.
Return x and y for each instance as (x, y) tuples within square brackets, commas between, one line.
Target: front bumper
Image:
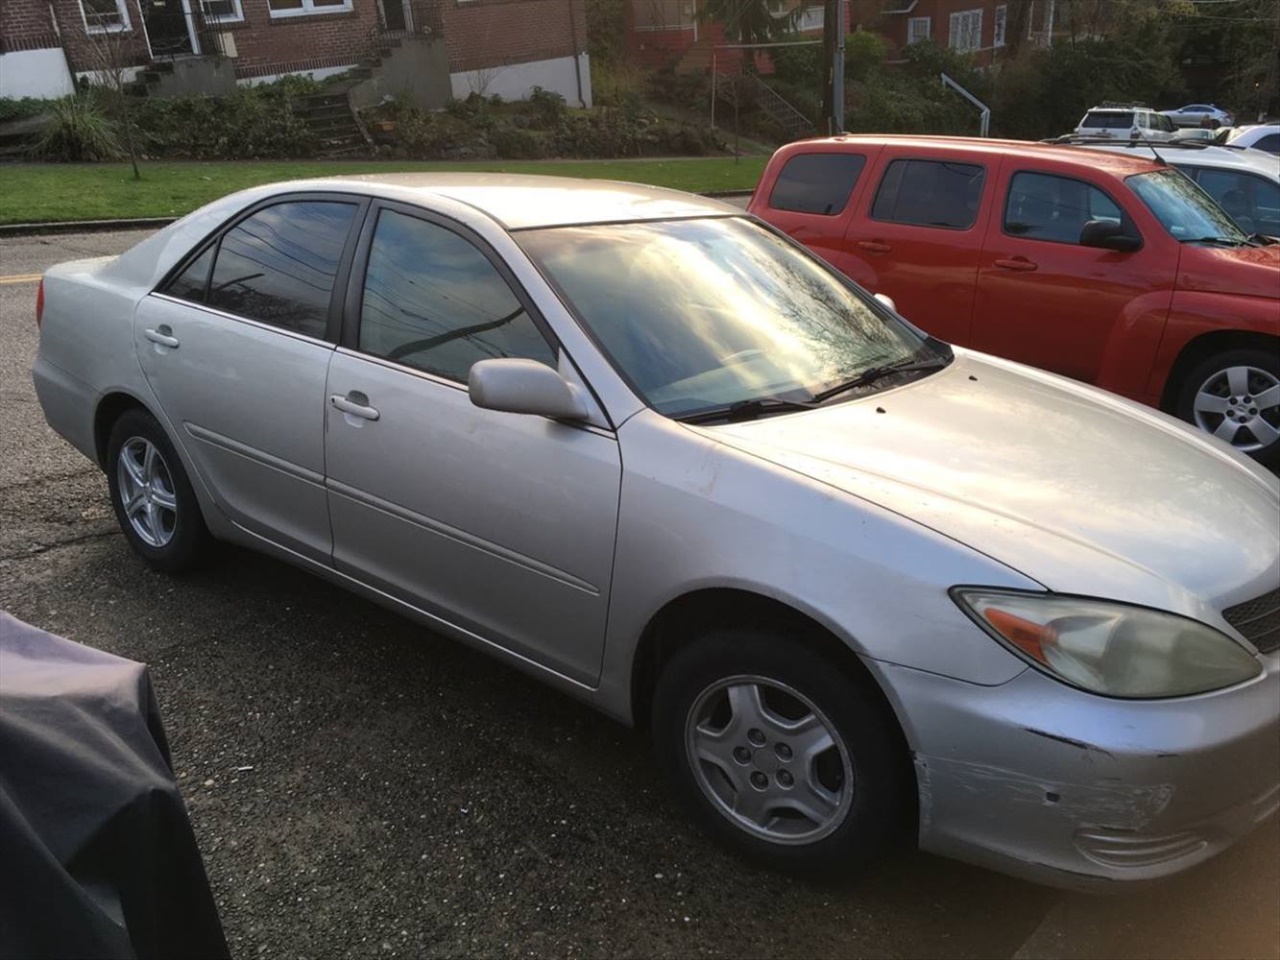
[(1045, 782)]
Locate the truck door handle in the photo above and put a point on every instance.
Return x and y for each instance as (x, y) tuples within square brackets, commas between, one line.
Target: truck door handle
[(1016, 263), (163, 336), (874, 246), (356, 404)]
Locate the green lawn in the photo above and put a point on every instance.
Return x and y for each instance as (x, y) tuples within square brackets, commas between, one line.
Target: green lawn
[(44, 193)]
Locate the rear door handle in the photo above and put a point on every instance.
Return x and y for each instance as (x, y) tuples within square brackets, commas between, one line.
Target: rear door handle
[(163, 337), (874, 246), (356, 404), (1016, 263)]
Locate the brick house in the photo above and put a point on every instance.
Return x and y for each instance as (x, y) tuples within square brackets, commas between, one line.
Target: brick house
[(493, 46)]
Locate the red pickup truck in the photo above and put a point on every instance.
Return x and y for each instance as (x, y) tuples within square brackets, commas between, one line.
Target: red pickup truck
[(1113, 270)]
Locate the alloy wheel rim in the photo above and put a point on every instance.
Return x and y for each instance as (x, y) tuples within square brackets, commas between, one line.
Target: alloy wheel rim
[(769, 760), (1240, 405), (146, 492)]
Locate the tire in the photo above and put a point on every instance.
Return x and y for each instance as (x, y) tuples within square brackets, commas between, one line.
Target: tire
[(1221, 396), (707, 690), (151, 495)]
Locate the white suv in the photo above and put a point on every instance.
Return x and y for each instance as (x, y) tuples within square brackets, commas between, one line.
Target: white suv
[(1125, 123)]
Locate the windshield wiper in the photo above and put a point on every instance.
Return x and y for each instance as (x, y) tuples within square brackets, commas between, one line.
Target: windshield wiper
[(870, 376), (1218, 241), (746, 410)]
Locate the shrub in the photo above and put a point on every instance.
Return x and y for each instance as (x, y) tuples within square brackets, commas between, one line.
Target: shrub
[(251, 123), (545, 107), (12, 108), (517, 143), (78, 130)]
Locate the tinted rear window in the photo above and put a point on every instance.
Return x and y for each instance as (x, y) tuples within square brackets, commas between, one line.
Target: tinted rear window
[(930, 193), (279, 265), (1103, 119), (817, 182)]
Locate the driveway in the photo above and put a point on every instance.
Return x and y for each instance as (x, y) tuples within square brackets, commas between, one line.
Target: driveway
[(362, 787)]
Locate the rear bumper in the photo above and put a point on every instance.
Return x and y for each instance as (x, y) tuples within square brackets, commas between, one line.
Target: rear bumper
[(1039, 780)]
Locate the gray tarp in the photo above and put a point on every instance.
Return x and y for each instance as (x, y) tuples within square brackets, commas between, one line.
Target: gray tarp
[(97, 856)]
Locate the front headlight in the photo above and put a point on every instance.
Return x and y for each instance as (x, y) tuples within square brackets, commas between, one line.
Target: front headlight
[(1110, 648)]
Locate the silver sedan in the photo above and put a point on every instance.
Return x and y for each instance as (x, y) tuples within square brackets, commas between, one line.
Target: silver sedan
[(858, 583)]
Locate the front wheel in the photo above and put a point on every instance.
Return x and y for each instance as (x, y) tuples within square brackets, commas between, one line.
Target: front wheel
[(1235, 395), (151, 495), (778, 752)]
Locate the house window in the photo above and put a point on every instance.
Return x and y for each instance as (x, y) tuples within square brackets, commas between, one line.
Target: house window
[(105, 16), (1002, 14), (919, 29), (221, 11), (306, 8), (966, 30)]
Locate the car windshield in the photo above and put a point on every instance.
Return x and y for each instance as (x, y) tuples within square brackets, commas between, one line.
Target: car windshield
[(1183, 209), (701, 315)]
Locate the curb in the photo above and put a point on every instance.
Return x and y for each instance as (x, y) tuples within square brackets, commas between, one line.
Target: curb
[(138, 223), (83, 226)]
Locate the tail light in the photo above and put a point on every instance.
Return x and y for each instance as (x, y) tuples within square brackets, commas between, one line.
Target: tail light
[(40, 303)]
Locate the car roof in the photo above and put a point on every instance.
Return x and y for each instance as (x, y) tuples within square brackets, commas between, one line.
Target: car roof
[(521, 201), (1117, 165), (1217, 157)]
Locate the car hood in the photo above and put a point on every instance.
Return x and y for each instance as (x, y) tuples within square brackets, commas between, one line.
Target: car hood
[(1243, 271), (1077, 489)]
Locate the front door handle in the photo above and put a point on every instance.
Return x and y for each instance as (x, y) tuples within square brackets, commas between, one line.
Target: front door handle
[(1016, 263), (163, 336), (356, 404), (874, 246)]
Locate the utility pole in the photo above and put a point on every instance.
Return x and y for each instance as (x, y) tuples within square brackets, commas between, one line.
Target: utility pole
[(833, 58)]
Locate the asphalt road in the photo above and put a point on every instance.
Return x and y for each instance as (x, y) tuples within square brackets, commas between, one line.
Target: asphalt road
[(361, 787)]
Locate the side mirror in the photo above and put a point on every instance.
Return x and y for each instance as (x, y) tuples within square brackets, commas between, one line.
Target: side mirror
[(524, 386), (887, 301), (1108, 235)]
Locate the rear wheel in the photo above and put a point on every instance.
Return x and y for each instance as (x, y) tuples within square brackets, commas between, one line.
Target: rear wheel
[(1235, 395), (151, 495), (778, 752)]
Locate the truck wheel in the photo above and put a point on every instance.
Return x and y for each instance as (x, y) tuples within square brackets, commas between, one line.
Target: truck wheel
[(1235, 395)]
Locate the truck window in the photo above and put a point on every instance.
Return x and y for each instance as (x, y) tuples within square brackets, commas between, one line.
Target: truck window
[(930, 193), (817, 182), (1045, 207)]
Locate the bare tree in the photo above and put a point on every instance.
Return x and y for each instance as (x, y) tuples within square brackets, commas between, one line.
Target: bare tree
[(112, 59)]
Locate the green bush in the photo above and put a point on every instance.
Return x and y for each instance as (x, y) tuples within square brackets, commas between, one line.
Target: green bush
[(79, 130), (21, 108), (518, 143), (545, 107), (251, 123)]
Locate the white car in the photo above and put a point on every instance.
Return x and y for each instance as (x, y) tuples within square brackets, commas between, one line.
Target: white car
[(1245, 183), (1194, 114), (1258, 136)]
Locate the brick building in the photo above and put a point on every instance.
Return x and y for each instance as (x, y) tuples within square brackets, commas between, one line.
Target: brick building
[(493, 46)]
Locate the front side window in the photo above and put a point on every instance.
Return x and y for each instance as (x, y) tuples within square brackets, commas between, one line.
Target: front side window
[(303, 8), (919, 29), (1184, 210), (817, 182), (105, 16), (1002, 17), (702, 314), (278, 265), (930, 193), (966, 30), (434, 302), (1045, 207)]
